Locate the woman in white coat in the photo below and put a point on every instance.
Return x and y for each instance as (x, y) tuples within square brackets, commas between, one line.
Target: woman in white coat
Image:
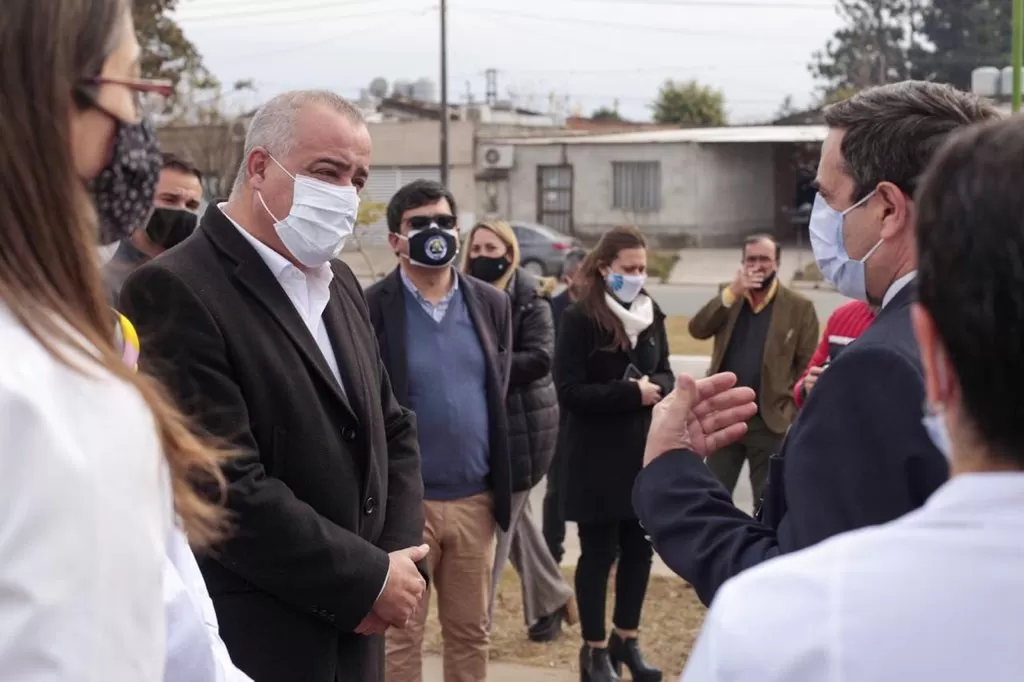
[(96, 462)]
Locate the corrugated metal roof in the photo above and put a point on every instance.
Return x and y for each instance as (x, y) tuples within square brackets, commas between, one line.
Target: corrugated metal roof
[(724, 135)]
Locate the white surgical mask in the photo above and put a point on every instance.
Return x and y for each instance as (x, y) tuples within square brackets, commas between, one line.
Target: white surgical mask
[(321, 220), (625, 287), (841, 271), (934, 419)]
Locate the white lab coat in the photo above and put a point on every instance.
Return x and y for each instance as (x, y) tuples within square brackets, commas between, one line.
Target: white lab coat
[(195, 651), (85, 513), (936, 595)]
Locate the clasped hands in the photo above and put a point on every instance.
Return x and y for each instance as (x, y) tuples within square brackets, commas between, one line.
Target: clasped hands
[(402, 593)]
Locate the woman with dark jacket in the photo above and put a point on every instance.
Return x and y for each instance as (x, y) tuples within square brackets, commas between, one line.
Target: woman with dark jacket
[(611, 368), (492, 254)]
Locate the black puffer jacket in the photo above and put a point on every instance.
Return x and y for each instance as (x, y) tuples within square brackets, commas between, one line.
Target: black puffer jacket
[(532, 399)]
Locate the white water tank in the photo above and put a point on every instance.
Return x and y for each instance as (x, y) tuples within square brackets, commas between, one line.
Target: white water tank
[(985, 81), (1007, 82), (424, 90)]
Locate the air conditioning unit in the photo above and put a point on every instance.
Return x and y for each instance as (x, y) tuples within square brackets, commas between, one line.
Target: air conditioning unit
[(498, 156)]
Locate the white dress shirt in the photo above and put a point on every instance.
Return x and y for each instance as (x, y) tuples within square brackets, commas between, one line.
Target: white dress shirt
[(309, 291), (936, 595), (85, 512)]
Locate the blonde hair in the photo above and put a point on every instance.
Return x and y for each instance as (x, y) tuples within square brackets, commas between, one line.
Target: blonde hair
[(503, 231)]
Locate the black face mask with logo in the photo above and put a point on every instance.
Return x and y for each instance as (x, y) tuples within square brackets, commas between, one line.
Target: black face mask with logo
[(169, 227), (488, 269), (433, 247)]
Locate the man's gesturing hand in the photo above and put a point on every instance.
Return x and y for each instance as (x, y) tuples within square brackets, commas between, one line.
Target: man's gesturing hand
[(404, 588), (703, 416)]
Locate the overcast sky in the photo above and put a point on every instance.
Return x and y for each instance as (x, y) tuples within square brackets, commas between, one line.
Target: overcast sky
[(594, 51)]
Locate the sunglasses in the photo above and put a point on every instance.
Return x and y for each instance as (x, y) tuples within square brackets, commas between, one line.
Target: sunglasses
[(423, 222)]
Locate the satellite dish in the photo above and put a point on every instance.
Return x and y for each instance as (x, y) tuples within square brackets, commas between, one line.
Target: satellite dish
[(379, 87)]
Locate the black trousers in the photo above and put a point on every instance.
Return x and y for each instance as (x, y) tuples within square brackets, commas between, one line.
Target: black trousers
[(553, 526), (756, 448), (600, 544)]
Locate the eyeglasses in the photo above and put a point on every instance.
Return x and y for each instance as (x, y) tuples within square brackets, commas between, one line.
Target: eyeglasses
[(148, 94), (423, 222)]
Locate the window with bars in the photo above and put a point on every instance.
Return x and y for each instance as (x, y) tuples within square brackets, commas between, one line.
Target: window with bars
[(636, 186)]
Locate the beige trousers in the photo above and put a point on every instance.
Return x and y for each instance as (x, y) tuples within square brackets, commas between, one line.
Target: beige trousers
[(460, 534)]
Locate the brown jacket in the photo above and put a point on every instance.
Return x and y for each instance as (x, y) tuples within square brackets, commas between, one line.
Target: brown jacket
[(792, 338)]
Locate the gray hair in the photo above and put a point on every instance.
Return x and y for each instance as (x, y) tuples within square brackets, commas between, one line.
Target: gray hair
[(273, 125)]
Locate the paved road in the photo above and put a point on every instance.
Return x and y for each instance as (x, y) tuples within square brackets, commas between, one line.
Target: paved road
[(686, 300)]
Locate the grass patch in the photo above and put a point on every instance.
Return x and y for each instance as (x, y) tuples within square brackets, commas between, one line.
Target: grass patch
[(671, 620), (660, 263), (679, 340)]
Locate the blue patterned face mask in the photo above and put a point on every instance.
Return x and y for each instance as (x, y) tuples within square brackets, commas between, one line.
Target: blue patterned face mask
[(841, 271), (625, 287)]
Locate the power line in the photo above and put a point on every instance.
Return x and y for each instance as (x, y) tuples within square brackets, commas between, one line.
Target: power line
[(333, 38), (619, 26), (722, 4), (276, 18), (257, 9)]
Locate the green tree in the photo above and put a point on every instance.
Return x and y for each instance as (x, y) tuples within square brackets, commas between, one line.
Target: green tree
[(605, 114), (954, 37), (871, 48), (689, 104), (168, 54)]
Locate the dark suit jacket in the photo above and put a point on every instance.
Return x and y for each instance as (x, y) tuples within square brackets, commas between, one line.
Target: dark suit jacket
[(491, 313), (856, 456), (558, 305), (792, 339), (326, 481)]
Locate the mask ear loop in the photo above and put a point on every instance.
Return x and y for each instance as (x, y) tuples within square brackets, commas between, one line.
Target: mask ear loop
[(939, 406)]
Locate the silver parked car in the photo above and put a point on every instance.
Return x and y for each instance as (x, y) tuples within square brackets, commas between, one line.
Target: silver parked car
[(542, 248)]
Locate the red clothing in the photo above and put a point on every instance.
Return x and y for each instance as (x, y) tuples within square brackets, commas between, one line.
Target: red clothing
[(846, 323)]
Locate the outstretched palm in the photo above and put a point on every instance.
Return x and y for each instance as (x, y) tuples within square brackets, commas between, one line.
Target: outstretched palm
[(701, 415)]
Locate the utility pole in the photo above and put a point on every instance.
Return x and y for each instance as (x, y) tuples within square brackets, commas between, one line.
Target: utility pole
[(1018, 50), (444, 93)]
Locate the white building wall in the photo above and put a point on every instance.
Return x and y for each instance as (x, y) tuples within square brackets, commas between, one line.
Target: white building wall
[(711, 194)]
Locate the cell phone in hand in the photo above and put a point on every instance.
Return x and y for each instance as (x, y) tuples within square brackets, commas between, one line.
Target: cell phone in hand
[(632, 373)]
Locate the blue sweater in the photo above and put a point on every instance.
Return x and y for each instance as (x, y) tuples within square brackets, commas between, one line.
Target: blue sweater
[(448, 393)]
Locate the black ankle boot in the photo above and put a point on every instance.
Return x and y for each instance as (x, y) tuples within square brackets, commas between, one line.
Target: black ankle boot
[(627, 652), (596, 666)]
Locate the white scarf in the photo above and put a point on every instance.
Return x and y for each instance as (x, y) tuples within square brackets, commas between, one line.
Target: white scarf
[(635, 319)]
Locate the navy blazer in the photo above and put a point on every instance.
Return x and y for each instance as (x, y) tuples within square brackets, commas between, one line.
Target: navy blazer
[(856, 456), (491, 312)]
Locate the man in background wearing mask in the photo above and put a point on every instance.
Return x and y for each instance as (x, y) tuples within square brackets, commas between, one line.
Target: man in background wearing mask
[(857, 454), (265, 339), (765, 333), (179, 193), (446, 341)]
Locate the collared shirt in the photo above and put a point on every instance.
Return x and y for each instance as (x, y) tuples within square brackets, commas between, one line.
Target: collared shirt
[(438, 310), (728, 298), (309, 291), (934, 595), (898, 286)]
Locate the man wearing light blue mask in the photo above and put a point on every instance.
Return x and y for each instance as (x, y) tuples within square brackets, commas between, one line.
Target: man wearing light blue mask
[(879, 604), (857, 454)]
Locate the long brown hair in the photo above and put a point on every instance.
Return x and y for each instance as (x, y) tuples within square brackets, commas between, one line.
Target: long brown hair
[(49, 267), (588, 287)]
